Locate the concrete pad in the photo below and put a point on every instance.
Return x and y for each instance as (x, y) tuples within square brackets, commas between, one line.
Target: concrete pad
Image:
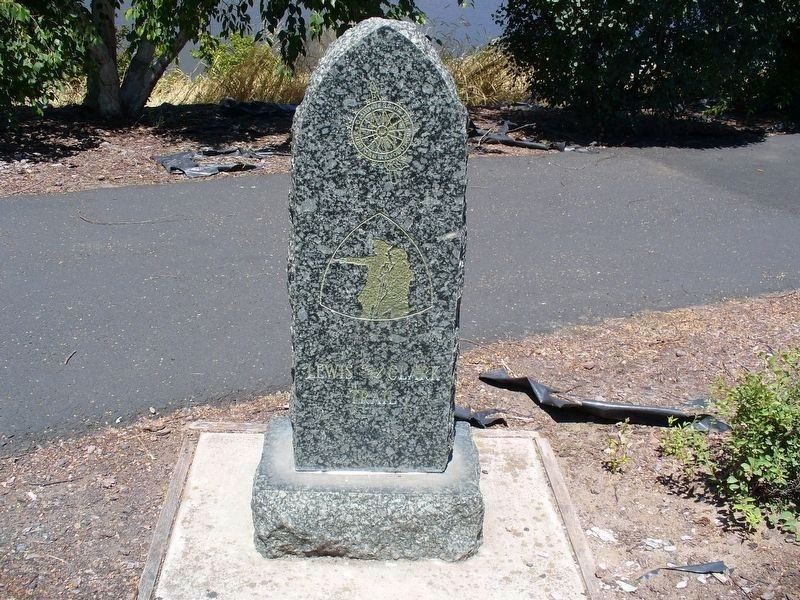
[(211, 554)]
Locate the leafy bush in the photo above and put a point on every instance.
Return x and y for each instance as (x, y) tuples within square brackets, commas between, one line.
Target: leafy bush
[(777, 84), (42, 44), (755, 466), (611, 59)]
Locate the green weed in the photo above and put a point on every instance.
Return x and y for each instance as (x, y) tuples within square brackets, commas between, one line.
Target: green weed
[(617, 448)]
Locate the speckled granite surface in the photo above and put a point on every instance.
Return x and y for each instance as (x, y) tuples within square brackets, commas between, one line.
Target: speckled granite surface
[(382, 516), (376, 254)]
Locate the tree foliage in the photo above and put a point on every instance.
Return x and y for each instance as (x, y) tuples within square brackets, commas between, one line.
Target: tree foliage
[(285, 19), (52, 38), (606, 57), (41, 45)]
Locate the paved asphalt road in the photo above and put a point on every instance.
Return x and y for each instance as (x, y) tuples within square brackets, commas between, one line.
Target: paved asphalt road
[(172, 294)]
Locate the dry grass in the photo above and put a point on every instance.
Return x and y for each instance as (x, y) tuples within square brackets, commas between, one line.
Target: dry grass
[(71, 92), (253, 72), (487, 76), (250, 72)]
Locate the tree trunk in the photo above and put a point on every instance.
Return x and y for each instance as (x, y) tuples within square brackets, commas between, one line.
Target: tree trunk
[(102, 87), (104, 94), (144, 72)]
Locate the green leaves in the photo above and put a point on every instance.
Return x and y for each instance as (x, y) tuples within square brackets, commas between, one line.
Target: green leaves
[(612, 59), (755, 466), (45, 43), (42, 45), (285, 20)]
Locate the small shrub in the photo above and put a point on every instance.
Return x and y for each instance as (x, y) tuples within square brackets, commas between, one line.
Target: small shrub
[(687, 445), (756, 465)]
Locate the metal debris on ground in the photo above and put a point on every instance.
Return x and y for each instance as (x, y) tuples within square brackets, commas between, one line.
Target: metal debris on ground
[(480, 418)]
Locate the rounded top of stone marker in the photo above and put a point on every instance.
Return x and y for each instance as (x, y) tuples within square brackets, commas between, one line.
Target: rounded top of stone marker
[(372, 28)]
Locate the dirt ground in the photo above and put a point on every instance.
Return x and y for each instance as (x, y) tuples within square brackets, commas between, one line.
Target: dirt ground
[(68, 150), (77, 514)]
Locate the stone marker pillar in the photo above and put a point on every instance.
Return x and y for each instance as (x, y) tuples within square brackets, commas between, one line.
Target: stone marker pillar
[(371, 465)]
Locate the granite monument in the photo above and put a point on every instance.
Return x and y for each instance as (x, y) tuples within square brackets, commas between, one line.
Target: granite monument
[(370, 464)]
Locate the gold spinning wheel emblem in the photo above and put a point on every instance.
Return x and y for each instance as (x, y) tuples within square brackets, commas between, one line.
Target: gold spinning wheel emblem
[(382, 132)]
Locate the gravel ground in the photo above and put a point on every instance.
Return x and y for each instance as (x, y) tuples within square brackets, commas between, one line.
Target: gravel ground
[(78, 513)]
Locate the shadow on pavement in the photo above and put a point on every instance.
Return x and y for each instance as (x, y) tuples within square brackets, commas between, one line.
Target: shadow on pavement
[(689, 130)]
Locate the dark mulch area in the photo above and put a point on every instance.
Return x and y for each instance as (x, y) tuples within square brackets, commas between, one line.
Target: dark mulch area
[(71, 150), (70, 130)]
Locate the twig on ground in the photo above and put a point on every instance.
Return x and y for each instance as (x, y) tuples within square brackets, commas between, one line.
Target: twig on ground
[(521, 127), (48, 483), (73, 353), (607, 157), (485, 135), (568, 390), (46, 556), (508, 369), (519, 418), (474, 343), (669, 341), (146, 451), (27, 188), (786, 295), (145, 222)]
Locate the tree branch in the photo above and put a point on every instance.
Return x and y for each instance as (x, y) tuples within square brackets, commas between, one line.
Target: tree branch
[(146, 69), (163, 61), (143, 57)]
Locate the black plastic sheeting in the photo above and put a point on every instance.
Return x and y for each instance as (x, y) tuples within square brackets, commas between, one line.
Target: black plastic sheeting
[(613, 412), (186, 162), (700, 569), (480, 418), (500, 136)]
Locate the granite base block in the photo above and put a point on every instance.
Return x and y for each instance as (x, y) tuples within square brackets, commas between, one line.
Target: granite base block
[(366, 515)]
